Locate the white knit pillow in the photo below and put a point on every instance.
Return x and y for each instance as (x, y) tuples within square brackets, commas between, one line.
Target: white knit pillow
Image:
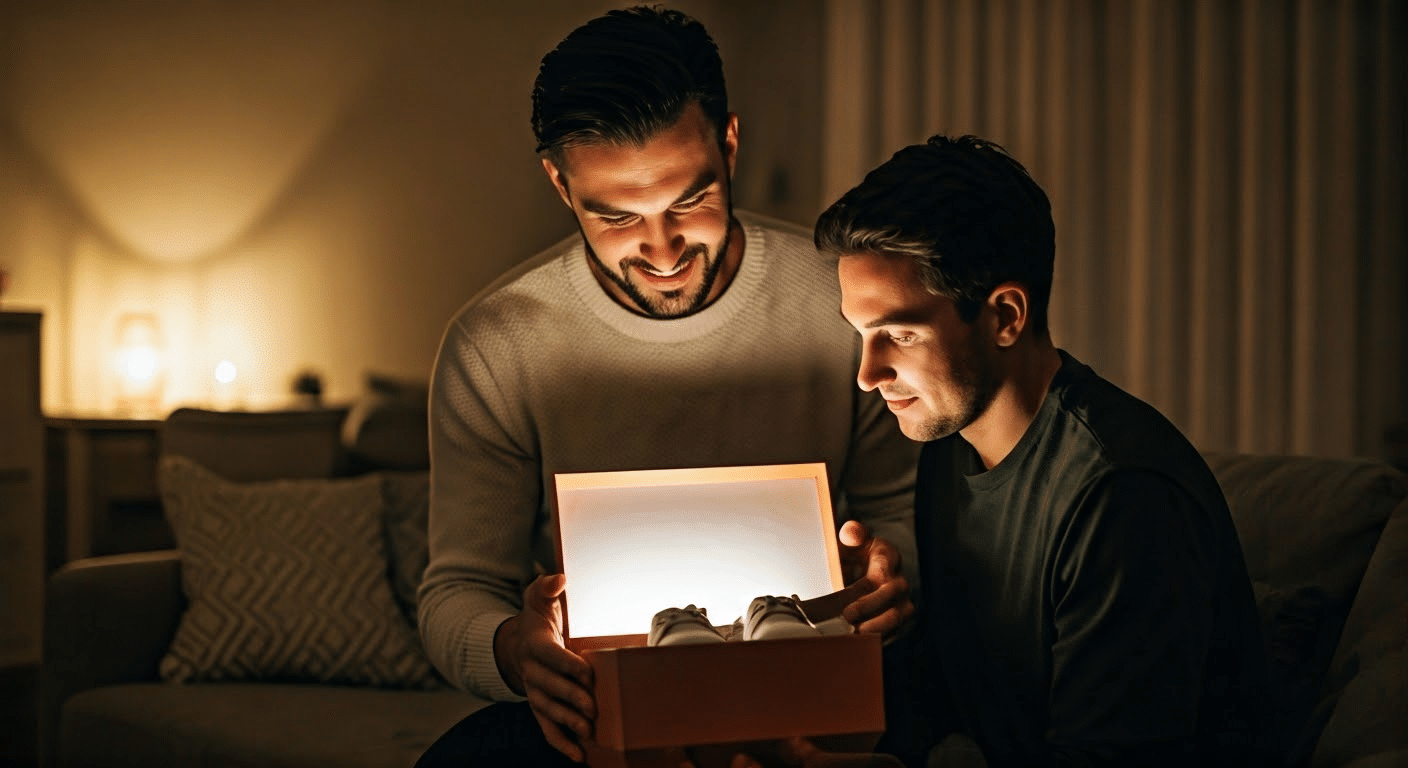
[(285, 581)]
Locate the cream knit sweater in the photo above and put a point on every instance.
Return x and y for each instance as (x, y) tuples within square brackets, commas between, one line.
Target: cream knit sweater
[(543, 373)]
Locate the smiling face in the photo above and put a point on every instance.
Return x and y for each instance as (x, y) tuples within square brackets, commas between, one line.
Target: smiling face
[(657, 219), (929, 365)]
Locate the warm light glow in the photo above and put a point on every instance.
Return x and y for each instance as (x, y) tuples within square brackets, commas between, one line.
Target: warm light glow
[(139, 363), (137, 360), (225, 372), (631, 550)]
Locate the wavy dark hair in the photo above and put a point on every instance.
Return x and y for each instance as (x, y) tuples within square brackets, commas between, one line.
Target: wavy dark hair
[(965, 209), (623, 77)]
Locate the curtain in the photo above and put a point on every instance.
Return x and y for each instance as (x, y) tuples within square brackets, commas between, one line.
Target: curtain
[(1227, 179)]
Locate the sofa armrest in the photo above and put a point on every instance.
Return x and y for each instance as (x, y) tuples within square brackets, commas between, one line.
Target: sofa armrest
[(107, 620)]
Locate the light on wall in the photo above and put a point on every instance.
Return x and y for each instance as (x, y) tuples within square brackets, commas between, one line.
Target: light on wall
[(139, 366)]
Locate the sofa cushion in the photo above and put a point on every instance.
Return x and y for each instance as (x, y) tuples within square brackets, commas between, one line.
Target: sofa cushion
[(388, 427), (1308, 527), (255, 725), (1369, 716), (285, 580), (258, 445)]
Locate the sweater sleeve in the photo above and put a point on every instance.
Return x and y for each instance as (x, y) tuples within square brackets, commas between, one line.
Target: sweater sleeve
[(485, 495), (1132, 584), (879, 480)]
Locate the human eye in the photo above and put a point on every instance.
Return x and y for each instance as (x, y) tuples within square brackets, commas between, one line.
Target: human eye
[(617, 221), (686, 206), (902, 338)]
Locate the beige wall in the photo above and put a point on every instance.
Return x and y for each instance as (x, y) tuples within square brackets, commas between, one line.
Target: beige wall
[(316, 184), (322, 183)]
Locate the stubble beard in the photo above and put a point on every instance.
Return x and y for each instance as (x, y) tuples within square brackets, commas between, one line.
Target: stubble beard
[(976, 386), (668, 304)]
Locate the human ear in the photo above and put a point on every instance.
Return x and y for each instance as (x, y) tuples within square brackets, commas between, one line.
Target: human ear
[(558, 181), (731, 142), (1011, 307)]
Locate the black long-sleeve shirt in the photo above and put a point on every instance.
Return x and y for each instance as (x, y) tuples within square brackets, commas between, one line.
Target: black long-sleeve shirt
[(1086, 600)]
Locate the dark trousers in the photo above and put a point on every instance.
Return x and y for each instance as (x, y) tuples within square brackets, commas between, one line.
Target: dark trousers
[(501, 735), (914, 719)]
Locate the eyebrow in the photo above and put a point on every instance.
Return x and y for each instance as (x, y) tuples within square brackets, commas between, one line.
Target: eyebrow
[(701, 183), (900, 317)]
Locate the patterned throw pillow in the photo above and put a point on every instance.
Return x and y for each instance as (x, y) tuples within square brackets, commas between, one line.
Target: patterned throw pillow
[(285, 581), (407, 515)]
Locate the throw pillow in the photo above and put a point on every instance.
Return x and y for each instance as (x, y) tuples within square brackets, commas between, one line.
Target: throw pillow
[(285, 581), (407, 514)]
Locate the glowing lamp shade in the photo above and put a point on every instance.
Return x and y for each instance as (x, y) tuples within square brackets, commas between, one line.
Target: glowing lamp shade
[(227, 386), (634, 543), (139, 365)]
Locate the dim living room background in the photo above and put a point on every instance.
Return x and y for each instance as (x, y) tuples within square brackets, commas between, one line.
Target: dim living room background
[(205, 200)]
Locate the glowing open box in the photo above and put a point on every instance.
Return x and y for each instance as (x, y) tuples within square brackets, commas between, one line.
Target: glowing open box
[(632, 543)]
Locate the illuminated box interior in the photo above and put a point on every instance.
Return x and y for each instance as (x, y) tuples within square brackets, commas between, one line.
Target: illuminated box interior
[(634, 543)]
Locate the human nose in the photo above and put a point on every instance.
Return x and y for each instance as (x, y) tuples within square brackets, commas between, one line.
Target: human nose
[(874, 369), (662, 243)]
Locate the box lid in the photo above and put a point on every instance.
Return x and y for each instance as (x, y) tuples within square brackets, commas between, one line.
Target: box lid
[(633, 543)]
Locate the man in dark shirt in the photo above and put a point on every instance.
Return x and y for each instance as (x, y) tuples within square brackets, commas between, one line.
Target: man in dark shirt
[(1085, 597)]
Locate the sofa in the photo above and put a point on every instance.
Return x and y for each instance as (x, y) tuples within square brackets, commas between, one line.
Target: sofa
[(1326, 544), (111, 622)]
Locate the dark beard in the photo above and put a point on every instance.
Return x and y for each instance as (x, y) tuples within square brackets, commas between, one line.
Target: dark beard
[(670, 304)]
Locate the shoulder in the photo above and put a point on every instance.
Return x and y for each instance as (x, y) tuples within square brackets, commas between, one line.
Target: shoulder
[(1110, 448), (1125, 431), (782, 240), (520, 294), (1137, 481), (790, 255)]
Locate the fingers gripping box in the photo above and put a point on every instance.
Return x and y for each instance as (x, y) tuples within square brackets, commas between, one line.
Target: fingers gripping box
[(633, 543)]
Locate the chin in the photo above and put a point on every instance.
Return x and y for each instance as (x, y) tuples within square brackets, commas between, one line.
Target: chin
[(927, 428), (913, 431)]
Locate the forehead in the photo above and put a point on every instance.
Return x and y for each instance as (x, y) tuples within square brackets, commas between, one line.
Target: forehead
[(878, 289), (672, 157)]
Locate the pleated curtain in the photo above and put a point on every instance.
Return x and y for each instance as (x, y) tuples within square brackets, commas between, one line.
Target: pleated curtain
[(1227, 179)]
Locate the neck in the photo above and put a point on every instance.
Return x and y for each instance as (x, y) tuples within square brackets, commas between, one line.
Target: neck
[(1026, 370), (731, 261)]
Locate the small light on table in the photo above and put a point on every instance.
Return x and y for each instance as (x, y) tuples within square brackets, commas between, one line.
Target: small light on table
[(226, 396)]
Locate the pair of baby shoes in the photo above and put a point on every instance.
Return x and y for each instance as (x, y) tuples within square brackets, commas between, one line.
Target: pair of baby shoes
[(768, 618), (682, 626)]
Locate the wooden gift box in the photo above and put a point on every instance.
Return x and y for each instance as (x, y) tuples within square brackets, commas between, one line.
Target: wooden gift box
[(633, 543)]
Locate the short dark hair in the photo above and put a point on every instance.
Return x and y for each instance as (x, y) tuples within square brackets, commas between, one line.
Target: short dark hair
[(623, 77), (963, 208)]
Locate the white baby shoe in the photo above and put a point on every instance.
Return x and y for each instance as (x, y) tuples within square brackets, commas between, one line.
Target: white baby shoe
[(682, 626), (836, 625), (771, 618)]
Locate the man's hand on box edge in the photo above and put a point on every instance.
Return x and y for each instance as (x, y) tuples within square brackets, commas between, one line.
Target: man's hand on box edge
[(880, 602), (536, 665)]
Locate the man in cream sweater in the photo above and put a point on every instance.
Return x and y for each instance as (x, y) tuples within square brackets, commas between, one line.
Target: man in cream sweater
[(673, 332)]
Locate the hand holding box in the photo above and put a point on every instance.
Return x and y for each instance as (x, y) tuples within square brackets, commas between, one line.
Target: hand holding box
[(536, 664), (877, 594)]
